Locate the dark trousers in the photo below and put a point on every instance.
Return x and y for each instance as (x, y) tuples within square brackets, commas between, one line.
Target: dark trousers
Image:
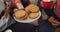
[(45, 26), (19, 27)]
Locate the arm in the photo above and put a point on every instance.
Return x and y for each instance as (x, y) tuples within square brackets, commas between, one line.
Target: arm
[(18, 4)]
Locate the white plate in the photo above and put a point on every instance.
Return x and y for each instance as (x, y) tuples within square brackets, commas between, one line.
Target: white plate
[(28, 20)]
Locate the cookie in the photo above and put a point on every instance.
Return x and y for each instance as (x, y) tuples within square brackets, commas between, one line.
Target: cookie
[(33, 15), (20, 13)]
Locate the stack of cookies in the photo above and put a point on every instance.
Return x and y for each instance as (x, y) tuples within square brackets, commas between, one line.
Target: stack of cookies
[(31, 11)]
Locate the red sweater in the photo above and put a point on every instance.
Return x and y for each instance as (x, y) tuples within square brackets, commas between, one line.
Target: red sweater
[(57, 8), (47, 4)]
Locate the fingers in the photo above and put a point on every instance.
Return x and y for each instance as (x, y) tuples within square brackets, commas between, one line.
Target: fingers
[(55, 23), (15, 10)]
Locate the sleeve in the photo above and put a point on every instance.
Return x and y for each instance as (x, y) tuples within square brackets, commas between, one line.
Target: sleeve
[(16, 1), (17, 4)]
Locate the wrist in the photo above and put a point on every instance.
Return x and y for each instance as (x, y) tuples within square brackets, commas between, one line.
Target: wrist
[(19, 6)]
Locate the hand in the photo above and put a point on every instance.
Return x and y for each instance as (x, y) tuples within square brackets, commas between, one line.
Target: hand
[(55, 23), (15, 10)]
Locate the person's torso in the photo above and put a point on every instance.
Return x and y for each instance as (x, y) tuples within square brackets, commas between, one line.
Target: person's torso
[(57, 8), (47, 3)]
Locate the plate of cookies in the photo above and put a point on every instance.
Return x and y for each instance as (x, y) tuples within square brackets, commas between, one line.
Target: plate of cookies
[(30, 14)]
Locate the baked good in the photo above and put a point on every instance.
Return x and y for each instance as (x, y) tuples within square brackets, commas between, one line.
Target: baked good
[(25, 17), (19, 13), (27, 9), (32, 8), (33, 15)]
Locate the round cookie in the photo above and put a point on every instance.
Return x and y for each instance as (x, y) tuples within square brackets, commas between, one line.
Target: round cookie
[(25, 17), (19, 13), (34, 9), (27, 9), (34, 15)]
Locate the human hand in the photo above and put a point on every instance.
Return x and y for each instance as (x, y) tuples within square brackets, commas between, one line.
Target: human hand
[(15, 10), (55, 23)]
